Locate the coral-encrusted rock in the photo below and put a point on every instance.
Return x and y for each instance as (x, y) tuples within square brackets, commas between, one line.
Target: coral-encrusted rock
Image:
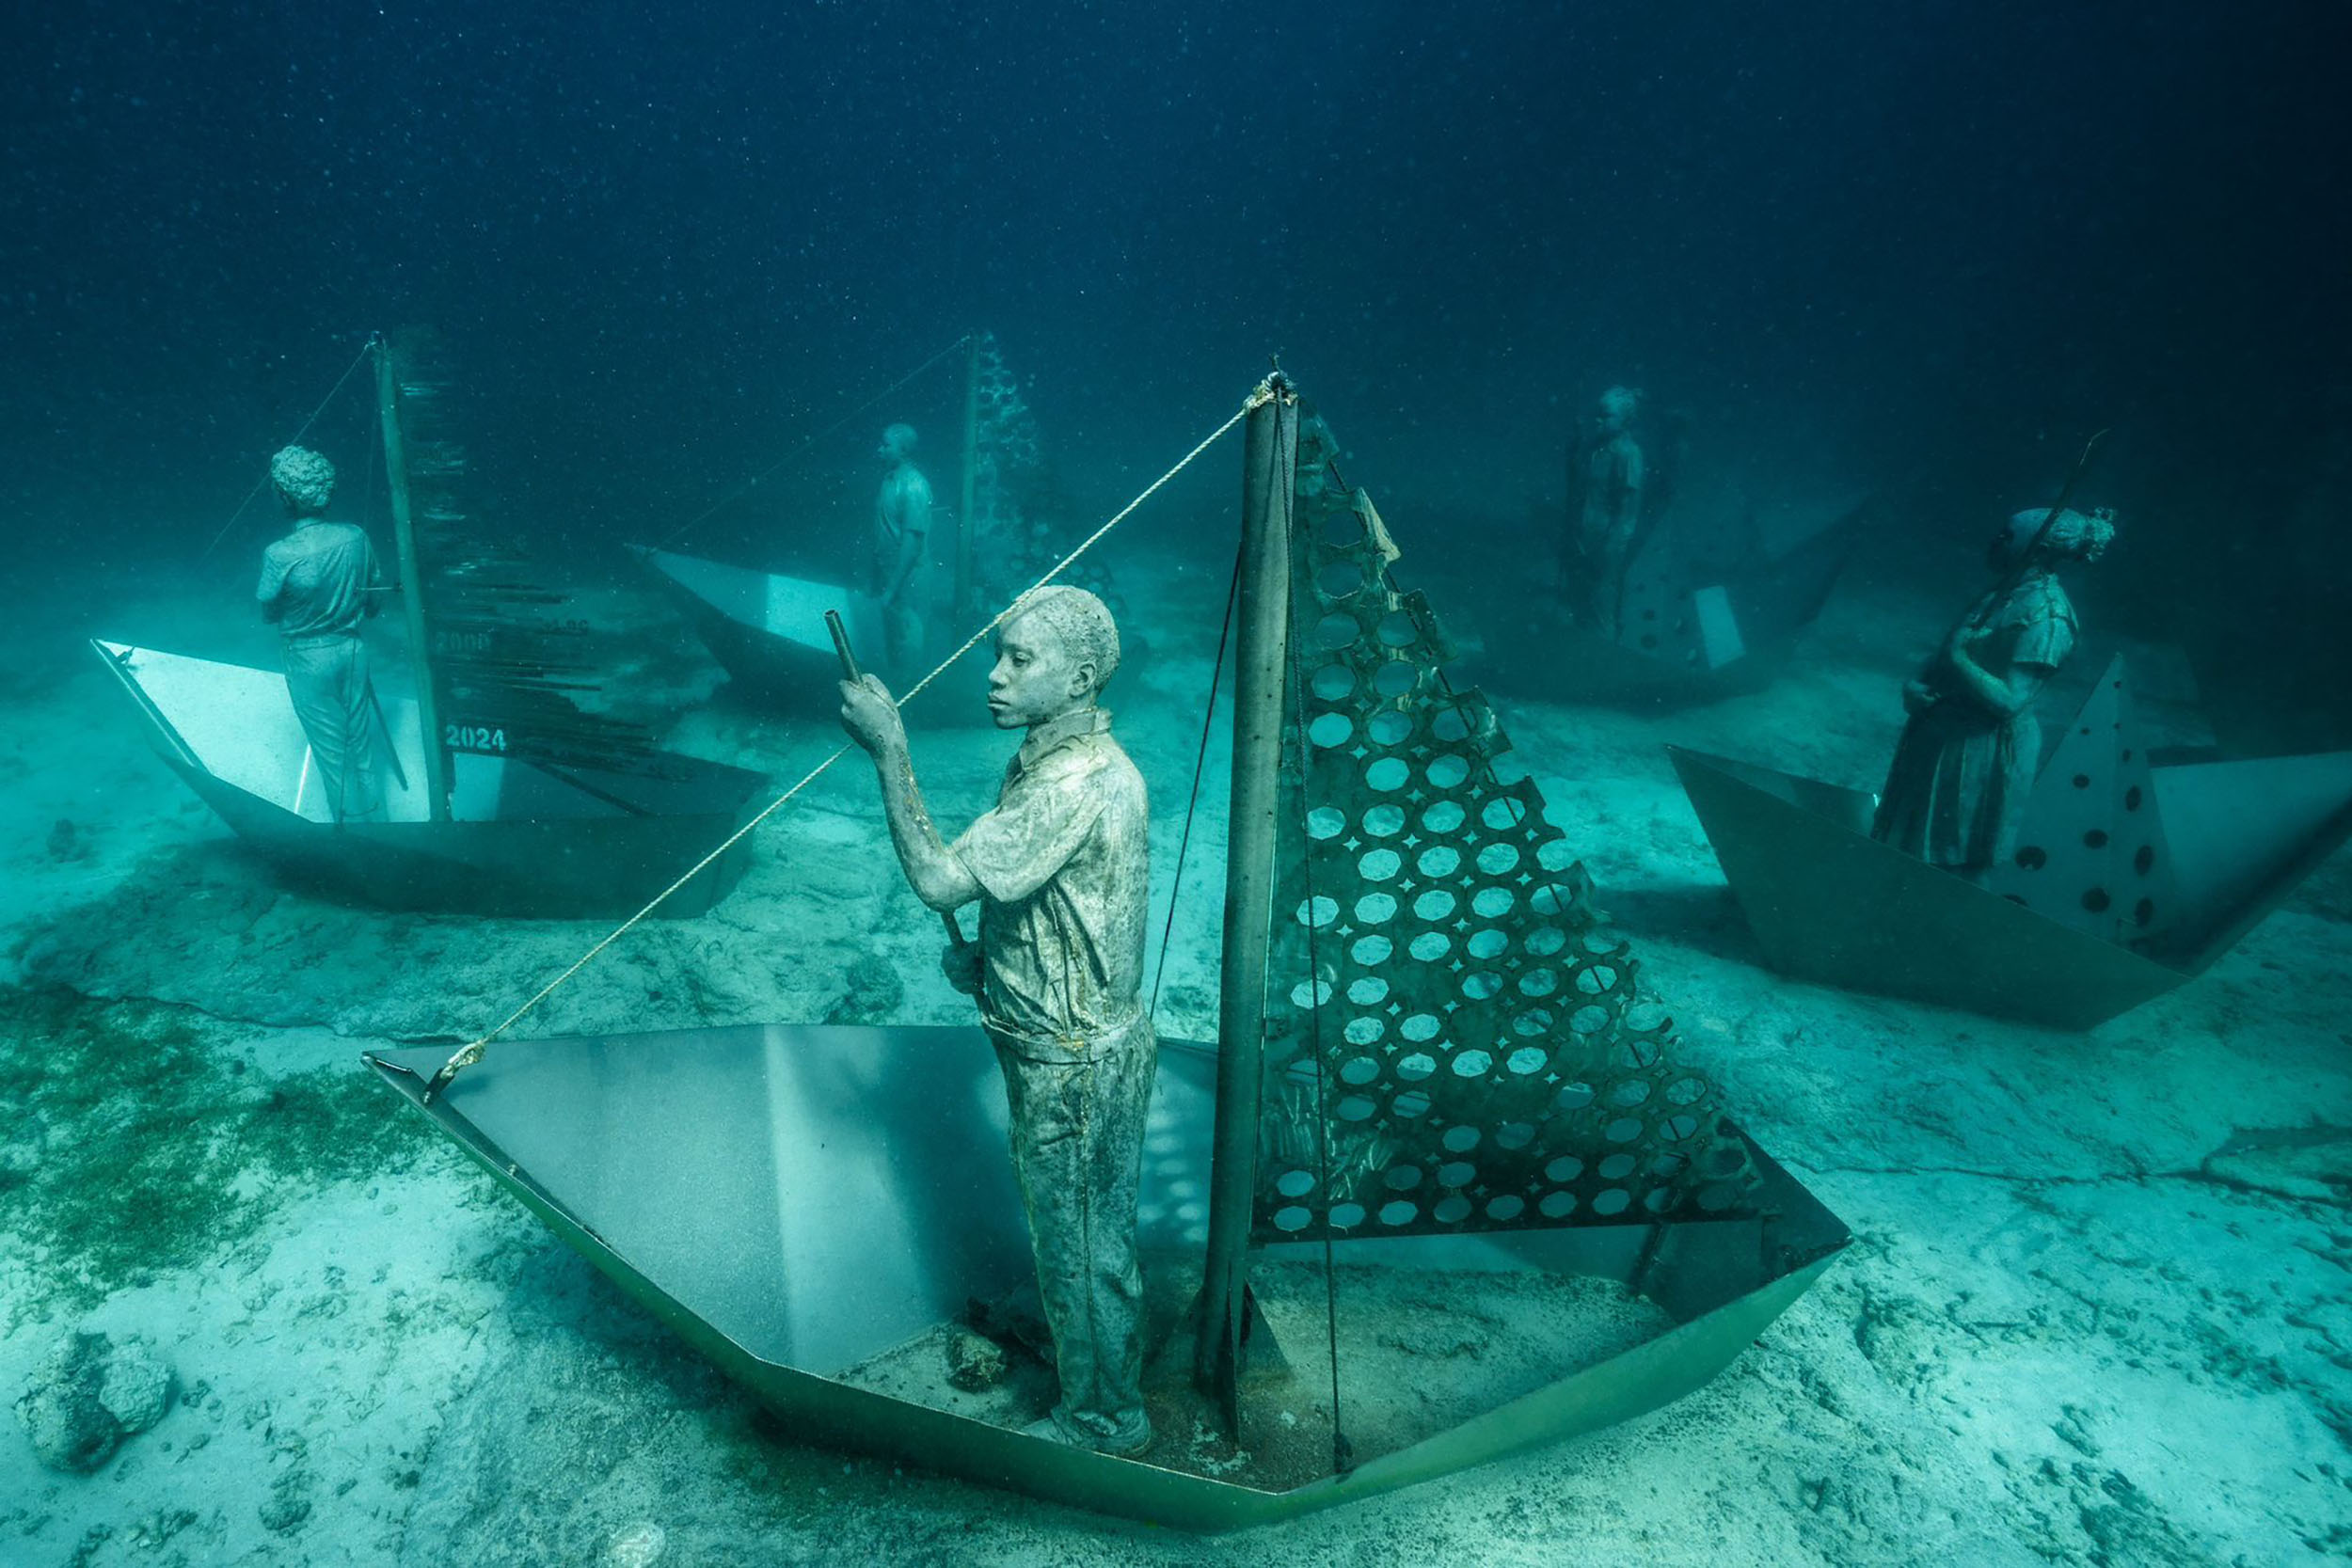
[(87, 1396)]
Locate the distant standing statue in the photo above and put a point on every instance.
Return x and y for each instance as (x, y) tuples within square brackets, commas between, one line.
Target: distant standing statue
[(1060, 871), (900, 547), (316, 586), (1610, 478), (1966, 760)]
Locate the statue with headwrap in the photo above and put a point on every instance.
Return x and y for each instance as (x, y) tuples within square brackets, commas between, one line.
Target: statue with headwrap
[(1060, 870), (318, 584), (1965, 763), (900, 548)]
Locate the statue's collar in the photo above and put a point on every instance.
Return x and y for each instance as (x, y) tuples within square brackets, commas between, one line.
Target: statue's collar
[(1055, 732)]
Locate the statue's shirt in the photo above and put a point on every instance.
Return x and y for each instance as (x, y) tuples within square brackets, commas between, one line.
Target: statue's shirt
[(1064, 864), (314, 582), (901, 506)]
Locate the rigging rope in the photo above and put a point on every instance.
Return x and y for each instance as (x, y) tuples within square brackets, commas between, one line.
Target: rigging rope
[(264, 483), (472, 1053), (756, 480), (1191, 805)]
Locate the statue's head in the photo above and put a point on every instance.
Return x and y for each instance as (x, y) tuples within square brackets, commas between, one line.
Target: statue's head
[(1617, 408), (305, 480), (1054, 654), (2071, 535), (897, 443)]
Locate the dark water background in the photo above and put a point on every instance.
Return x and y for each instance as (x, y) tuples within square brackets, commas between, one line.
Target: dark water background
[(1921, 250)]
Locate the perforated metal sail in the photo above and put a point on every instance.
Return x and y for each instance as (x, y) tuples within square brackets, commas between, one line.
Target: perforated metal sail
[(1456, 1037), (2090, 846)]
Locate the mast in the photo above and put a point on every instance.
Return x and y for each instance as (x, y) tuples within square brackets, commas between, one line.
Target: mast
[(965, 522), (411, 582), (1260, 669)]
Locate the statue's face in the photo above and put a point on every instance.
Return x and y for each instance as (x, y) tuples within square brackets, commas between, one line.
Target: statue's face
[(1035, 678)]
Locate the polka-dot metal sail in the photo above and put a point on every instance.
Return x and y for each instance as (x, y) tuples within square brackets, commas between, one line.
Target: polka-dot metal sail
[(1455, 1036)]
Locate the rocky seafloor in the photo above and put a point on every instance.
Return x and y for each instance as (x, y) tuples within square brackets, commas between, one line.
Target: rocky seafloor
[(2096, 1312)]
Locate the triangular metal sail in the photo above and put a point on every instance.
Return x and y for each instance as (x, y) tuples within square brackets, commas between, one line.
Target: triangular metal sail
[(2092, 850), (1464, 1043)]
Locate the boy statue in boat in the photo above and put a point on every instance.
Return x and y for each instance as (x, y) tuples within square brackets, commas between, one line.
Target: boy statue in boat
[(1059, 869), (318, 583), (1965, 764)]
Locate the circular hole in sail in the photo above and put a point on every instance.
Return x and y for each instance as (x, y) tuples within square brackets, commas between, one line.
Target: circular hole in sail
[(1360, 1071), (1492, 903), (1481, 984), (1295, 1183), (1337, 630), (1332, 682), (1419, 1027), (1345, 1216), (1526, 1060), (1442, 817), (1557, 1206), (1501, 812), (1379, 866), (1325, 823), (1451, 1211), (1340, 578), (1439, 860), (1390, 727), (1446, 772), (1510, 1206), (1615, 1201), (1616, 1167), (1402, 1178), (1397, 630), (1415, 1067), (1371, 950), (1471, 1064), (1496, 858), (1629, 1092), (1544, 941), (1572, 1096), (1330, 729), (1369, 991), (1396, 677), (1433, 905), (1387, 773), (1488, 943), (1460, 1139), (1410, 1104), (1318, 913), (1431, 946), (1372, 908), (1305, 995), (1563, 1169), (1384, 821), (1623, 1130), (1355, 1107), (1292, 1218), (1540, 981), (1514, 1135), (1456, 1173), (1398, 1211)]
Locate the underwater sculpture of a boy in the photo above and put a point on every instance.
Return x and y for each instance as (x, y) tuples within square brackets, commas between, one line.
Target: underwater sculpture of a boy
[(1060, 870), (318, 583), (1965, 763)]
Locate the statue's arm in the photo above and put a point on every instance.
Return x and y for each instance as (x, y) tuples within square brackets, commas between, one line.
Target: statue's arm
[(938, 878)]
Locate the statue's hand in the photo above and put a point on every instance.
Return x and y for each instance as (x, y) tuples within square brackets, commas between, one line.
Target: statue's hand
[(870, 717), (961, 965), (1919, 696)]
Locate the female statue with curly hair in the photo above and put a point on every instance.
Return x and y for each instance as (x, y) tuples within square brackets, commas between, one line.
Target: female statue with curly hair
[(1968, 756)]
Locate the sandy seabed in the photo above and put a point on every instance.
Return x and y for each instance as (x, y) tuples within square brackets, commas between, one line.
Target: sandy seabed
[(2096, 1312)]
